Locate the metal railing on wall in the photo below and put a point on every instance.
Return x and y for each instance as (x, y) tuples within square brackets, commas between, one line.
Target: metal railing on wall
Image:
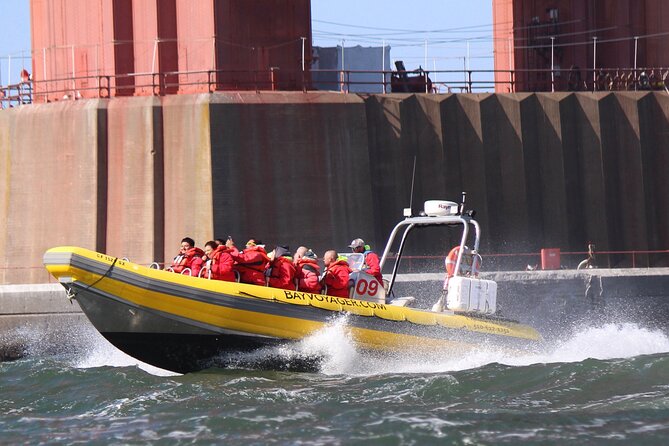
[(16, 94), (601, 79), (345, 81)]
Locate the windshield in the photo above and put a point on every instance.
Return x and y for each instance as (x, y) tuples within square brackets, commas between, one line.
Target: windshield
[(355, 260)]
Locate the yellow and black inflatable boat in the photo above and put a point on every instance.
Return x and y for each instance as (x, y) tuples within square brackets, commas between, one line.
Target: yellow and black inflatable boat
[(182, 323)]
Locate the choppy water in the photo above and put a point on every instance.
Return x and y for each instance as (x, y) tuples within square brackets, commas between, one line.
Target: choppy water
[(602, 385)]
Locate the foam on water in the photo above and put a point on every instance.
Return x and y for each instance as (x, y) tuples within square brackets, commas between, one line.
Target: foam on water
[(338, 355), (329, 348), (86, 348), (605, 342), (598, 342), (102, 353)]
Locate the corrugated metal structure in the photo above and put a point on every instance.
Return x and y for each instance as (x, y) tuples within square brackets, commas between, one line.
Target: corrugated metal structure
[(65, 35), (265, 39), (196, 47), (142, 47), (576, 37)]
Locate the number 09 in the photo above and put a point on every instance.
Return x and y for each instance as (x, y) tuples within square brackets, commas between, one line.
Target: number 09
[(363, 287)]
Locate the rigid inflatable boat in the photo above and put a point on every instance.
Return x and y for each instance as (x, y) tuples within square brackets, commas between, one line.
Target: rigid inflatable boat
[(183, 324)]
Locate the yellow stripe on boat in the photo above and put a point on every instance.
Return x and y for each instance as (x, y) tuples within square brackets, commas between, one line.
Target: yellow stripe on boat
[(269, 324)]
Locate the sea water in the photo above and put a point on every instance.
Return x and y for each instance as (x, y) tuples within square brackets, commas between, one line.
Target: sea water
[(601, 384)]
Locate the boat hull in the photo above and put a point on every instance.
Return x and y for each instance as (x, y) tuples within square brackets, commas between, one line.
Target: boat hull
[(162, 340), (186, 324)]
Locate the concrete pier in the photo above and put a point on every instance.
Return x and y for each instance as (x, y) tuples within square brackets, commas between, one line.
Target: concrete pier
[(38, 315), (562, 300)]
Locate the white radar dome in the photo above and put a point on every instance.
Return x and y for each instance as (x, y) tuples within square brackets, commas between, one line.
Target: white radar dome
[(440, 208)]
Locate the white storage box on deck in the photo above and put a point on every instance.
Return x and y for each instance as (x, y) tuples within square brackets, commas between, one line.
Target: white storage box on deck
[(475, 295)]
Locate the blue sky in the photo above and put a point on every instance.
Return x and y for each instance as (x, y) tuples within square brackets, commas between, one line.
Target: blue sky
[(14, 37), (448, 27)]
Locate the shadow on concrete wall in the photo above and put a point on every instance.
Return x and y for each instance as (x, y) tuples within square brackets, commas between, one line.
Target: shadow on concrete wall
[(654, 137), (133, 176)]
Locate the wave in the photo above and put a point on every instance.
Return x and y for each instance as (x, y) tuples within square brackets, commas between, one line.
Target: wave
[(606, 381), (101, 353), (337, 349), (332, 351)]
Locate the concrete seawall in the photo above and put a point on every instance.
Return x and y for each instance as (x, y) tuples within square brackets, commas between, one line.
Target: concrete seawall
[(132, 176), (37, 316), (554, 302)]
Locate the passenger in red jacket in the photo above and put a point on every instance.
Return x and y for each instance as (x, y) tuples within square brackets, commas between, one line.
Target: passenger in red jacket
[(220, 262), (308, 272), (251, 262), (336, 275), (281, 271), (372, 263), (189, 257)]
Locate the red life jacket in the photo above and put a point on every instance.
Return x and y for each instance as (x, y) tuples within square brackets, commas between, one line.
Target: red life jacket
[(372, 265), (307, 275), (190, 259), (336, 278), (282, 274), (251, 264), (177, 263), (221, 264)]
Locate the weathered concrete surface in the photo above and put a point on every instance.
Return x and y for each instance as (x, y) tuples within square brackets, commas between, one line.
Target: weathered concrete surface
[(625, 173), (290, 172), (133, 176), (57, 184), (187, 173), (392, 158), (6, 124), (135, 215), (36, 318), (556, 302), (551, 180), (654, 146), (35, 299), (542, 170)]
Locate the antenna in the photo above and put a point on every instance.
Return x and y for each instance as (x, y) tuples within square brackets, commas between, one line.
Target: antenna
[(408, 211), (462, 203)]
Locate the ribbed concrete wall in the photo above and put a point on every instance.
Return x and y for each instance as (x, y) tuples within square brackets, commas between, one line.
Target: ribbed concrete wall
[(135, 216), (542, 170), (291, 172), (133, 176), (187, 177), (57, 184), (6, 124), (654, 122)]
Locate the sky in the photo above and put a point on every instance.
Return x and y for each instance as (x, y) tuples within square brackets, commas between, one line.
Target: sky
[(14, 38), (445, 26), (436, 33)]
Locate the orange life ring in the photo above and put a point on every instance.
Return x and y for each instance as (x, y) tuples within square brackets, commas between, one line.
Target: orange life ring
[(465, 268), (451, 261)]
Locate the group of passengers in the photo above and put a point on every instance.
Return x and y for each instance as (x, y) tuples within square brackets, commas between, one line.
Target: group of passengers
[(221, 260)]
